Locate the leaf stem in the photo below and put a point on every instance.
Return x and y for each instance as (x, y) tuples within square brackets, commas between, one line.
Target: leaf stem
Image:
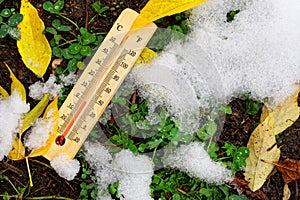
[(29, 173), (66, 18)]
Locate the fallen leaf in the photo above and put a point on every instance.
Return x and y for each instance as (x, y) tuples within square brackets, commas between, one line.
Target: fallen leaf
[(146, 56), (56, 62), (257, 195), (34, 114), (18, 150), (51, 113), (16, 84), (289, 168), (3, 92), (285, 114), (239, 184), (286, 192), (33, 45), (156, 9), (242, 186), (262, 146)]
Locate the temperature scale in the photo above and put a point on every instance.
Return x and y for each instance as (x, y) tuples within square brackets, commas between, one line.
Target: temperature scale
[(98, 83)]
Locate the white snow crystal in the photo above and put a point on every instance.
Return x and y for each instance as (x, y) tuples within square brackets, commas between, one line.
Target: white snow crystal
[(134, 174), (258, 52), (192, 158), (39, 133), (11, 110), (65, 167), (100, 160), (39, 89), (70, 79)]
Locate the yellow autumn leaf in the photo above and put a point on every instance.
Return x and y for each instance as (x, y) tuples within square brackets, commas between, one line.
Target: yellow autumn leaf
[(33, 45), (16, 84), (156, 9), (262, 146), (34, 114), (51, 113), (3, 92), (146, 56), (18, 150), (285, 114)]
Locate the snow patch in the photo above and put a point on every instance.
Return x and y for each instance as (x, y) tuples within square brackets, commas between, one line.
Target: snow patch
[(257, 53), (11, 108), (70, 79), (65, 167), (39, 133), (192, 158), (134, 173), (39, 89)]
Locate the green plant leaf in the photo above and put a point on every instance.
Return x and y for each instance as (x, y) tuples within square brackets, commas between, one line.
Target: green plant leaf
[(74, 48), (66, 54), (98, 8), (15, 19), (5, 12), (226, 109), (211, 128), (253, 107), (56, 51), (48, 6), (51, 30), (86, 50), (58, 6), (57, 24), (3, 31), (72, 65)]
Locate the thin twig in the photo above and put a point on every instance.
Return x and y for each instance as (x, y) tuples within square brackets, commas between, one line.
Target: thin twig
[(86, 13), (183, 192)]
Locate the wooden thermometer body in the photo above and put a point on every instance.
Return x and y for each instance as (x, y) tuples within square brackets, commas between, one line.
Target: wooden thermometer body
[(98, 83)]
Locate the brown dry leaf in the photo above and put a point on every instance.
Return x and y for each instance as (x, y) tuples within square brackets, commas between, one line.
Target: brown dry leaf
[(262, 146), (33, 45), (257, 195), (289, 168), (18, 150), (286, 192), (34, 114), (242, 186), (285, 114), (156, 9), (239, 184), (51, 113)]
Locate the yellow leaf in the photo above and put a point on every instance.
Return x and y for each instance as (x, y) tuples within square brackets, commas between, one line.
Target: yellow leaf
[(262, 146), (18, 150), (33, 45), (16, 84), (146, 56), (51, 113), (34, 114), (3, 92), (285, 114), (156, 9)]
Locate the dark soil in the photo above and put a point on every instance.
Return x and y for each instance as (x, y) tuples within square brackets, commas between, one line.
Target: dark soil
[(237, 128)]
